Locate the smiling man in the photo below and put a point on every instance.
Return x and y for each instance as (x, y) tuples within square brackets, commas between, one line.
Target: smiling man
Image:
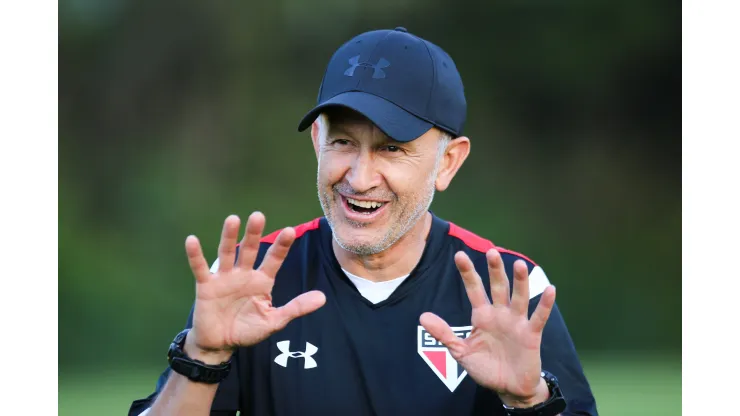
[(376, 191), (379, 307)]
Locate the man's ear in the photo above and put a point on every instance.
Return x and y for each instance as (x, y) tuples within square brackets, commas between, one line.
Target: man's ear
[(457, 151), (315, 137)]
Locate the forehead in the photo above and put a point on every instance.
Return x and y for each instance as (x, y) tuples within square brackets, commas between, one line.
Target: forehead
[(346, 120)]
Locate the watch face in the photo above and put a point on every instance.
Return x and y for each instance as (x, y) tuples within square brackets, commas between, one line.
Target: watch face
[(180, 338), (177, 345), (557, 407), (557, 403), (553, 406)]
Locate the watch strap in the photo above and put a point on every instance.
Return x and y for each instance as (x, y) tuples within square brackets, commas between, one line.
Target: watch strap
[(554, 405), (193, 369)]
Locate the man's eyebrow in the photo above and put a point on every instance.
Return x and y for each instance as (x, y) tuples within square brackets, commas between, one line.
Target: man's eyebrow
[(348, 130), (390, 140)]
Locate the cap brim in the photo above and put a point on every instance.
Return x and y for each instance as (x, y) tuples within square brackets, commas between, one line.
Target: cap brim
[(394, 121)]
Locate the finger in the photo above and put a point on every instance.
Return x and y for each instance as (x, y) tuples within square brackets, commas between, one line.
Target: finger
[(520, 296), (277, 252), (471, 279), (227, 246), (250, 244), (441, 331), (542, 312), (301, 305), (197, 261), (499, 280)]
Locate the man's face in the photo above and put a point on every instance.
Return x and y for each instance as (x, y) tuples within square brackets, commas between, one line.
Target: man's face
[(372, 189)]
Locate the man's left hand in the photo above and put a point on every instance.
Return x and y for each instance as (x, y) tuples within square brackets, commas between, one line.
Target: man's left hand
[(502, 352)]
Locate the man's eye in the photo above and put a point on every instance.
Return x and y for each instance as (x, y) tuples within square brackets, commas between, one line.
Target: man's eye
[(341, 142), (393, 148)]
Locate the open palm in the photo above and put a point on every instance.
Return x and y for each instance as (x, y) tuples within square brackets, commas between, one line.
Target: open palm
[(233, 305), (502, 352)]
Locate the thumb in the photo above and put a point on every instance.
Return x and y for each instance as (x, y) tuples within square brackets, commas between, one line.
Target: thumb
[(301, 305), (442, 332)]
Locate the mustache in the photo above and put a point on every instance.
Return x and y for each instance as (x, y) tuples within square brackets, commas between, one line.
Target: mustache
[(346, 189)]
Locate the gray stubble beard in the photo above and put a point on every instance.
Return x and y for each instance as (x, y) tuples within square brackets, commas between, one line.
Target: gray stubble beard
[(396, 231)]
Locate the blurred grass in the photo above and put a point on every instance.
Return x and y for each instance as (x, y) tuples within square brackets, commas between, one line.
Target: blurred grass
[(632, 386), (637, 385)]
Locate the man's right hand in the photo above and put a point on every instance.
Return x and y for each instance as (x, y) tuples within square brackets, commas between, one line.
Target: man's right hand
[(233, 305)]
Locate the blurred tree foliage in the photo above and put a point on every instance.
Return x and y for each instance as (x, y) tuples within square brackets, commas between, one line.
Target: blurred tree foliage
[(175, 114)]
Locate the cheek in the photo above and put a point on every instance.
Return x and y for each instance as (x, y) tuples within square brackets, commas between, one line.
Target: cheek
[(405, 180), (332, 167)]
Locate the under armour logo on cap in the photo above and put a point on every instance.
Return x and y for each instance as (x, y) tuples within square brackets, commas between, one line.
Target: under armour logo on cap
[(377, 68), (284, 347)]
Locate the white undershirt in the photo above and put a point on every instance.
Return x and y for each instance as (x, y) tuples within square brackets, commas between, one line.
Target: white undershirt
[(375, 291)]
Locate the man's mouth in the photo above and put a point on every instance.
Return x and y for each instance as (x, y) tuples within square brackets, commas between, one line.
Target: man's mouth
[(363, 207)]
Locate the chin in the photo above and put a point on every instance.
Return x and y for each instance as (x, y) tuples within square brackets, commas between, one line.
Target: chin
[(359, 241), (351, 235)]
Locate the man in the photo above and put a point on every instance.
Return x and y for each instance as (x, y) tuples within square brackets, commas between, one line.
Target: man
[(380, 307)]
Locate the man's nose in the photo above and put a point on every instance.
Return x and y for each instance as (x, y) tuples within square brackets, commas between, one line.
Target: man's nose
[(362, 175)]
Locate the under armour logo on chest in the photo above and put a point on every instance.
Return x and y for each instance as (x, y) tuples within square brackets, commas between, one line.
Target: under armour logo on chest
[(284, 347), (377, 68)]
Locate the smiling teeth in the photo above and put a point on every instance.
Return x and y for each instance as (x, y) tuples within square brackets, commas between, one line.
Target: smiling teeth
[(365, 204)]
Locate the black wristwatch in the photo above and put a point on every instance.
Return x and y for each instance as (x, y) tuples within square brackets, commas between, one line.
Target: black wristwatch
[(195, 370), (554, 405)]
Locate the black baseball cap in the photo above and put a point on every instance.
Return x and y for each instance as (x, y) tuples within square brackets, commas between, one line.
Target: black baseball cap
[(404, 84)]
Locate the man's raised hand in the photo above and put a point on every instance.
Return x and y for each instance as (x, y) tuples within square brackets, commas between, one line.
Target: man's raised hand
[(503, 351), (233, 305)]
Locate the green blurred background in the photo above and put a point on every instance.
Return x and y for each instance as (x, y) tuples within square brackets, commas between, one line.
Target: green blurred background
[(173, 115)]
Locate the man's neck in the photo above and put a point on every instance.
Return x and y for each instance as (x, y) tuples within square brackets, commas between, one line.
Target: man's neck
[(398, 260)]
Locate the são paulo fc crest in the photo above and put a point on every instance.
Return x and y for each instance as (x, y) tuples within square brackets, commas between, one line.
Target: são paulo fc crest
[(439, 358)]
